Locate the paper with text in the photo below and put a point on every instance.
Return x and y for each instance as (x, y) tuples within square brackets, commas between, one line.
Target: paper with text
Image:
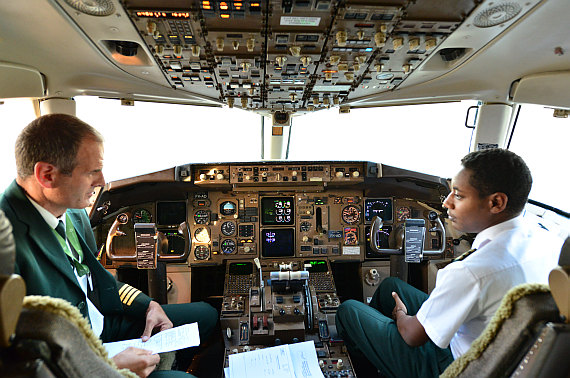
[(171, 339), (284, 361)]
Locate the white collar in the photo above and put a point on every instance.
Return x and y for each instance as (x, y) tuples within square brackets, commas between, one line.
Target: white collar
[(50, 219), (492, 232)]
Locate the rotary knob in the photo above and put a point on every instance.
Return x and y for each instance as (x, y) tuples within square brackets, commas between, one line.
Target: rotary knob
[(305, 239), (203, 176), (355, 174), (219, 176), (246, 249), (340, 174)]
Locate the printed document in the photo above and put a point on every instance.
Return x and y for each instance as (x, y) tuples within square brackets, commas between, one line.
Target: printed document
[(171, 339), (285, 361)]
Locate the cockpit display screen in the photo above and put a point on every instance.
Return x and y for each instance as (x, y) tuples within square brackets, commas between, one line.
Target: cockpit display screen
[(277, 242), (277, 210), (171, 213), (241, 268), (316, 266), (378, 207)]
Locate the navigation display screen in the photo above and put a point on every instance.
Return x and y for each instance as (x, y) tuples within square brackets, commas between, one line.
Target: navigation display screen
[(171, 213), (277, 242), (378, 207), (277, 210)]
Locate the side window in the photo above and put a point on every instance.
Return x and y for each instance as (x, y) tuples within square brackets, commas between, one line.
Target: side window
[(15, 115), (542, 141)]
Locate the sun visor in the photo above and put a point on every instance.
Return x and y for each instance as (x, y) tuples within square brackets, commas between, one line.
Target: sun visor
[(20, 81), (548, 88)]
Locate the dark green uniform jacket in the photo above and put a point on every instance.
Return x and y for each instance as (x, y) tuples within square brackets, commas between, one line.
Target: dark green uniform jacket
[(43, 264)]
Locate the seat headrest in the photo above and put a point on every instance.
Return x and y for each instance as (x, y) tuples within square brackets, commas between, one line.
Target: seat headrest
[(564, 259), (7, 246)]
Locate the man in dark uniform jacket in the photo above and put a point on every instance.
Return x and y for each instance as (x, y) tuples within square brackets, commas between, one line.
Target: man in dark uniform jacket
[(59, 159)]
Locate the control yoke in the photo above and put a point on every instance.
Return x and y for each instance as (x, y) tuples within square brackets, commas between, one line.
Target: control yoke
[(377, 224)]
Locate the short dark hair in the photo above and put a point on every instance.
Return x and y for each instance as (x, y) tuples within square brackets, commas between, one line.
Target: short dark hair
[(54, 139), (498, 170)]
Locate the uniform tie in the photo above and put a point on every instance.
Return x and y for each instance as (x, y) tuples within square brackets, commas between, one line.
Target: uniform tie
[(61, 231), (70, 244)]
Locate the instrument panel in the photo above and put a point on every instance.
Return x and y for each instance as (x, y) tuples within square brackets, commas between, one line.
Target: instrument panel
[(326, 212)]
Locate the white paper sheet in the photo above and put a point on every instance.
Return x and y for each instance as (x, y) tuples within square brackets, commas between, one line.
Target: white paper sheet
[(284, 361), (175, 338), (305, 361)]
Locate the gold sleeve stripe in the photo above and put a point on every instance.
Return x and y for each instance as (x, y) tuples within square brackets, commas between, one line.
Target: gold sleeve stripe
[(123, 288), (130, 296), (126, 293), (133, 298)]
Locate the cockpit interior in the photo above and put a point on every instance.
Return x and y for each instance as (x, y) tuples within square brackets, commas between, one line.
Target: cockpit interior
[(277, 245)]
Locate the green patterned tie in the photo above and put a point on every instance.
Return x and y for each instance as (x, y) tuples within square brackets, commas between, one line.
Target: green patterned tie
[(75, 253)]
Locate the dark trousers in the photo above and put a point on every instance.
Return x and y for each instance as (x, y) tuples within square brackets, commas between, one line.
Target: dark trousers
[(371, 332), (117, 328)]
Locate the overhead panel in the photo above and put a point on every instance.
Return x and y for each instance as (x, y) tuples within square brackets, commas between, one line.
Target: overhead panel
[(292, 55)]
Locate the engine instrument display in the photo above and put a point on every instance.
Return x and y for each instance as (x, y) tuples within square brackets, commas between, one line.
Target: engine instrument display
[(351, 214), (228, 246), (202, 217), (228, 208), (378, 207), (142, 216), (228, 228), (278, 210)]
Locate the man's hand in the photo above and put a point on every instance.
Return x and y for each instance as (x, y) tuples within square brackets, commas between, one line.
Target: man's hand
[(155, 319), (411, 330), (400, 306), (140, 361)]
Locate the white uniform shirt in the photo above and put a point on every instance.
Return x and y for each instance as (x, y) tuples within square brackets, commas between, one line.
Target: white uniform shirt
[(95, 317), (467, 293)]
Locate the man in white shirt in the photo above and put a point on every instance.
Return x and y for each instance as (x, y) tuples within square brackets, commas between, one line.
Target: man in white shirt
[(406, 333)]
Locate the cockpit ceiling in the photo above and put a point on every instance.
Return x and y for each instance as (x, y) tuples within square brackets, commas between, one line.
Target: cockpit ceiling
[(293, 54), (265, 55)]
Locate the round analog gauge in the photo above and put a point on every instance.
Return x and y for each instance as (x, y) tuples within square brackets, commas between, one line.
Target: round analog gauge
[(350, 237), (228, 208), (202, 235), (351, 214), (228, 228), (228, 246), (202, 217), (305, 226), (403, 213), (142, 216), (202, 252)]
